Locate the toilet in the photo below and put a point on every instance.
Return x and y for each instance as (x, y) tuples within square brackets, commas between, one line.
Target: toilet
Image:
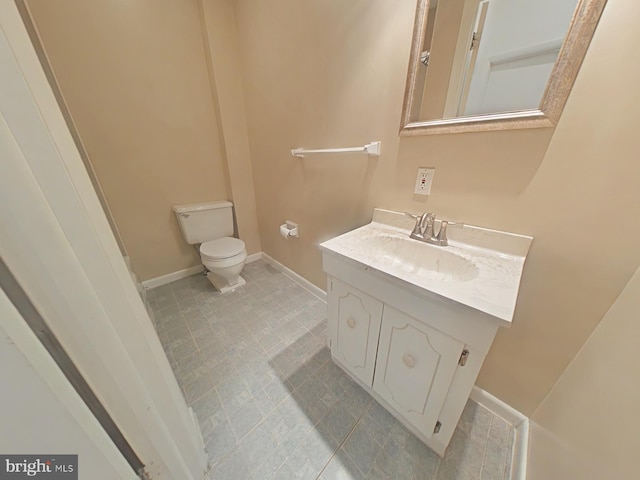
[(211, 226)]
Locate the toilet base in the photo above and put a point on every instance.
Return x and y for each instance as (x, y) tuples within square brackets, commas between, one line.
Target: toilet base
[(222, 285)]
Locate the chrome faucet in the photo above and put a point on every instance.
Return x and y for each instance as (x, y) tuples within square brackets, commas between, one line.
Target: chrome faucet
[(424, 229), (424, 225)]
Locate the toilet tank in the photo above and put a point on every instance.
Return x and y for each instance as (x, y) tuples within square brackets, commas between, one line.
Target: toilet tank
[(200, 222)]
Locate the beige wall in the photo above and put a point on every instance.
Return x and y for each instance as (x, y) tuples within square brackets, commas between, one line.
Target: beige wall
[(135, 79), (587, 428), (338, 81)]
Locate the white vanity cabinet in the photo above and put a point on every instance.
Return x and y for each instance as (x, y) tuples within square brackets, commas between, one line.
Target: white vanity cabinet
[(417, 356), (412, 322)]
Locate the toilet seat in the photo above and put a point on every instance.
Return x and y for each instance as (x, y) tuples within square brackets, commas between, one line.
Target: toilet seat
[(221, 248)]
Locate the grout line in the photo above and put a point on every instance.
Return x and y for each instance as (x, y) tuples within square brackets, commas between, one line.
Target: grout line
[(506, 474), (343, 442), (486, 444)]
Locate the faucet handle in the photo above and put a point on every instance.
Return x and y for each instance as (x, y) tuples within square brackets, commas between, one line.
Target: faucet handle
[(452, 224), (416, 229), (441, 238)]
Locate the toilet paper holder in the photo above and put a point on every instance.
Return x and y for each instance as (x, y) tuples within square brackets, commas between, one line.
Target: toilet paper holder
[(289, 229)]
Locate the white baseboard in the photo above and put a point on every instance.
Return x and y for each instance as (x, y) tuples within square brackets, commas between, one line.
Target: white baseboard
[(253, 257), (520, 423), (303, 282), (172, 277), (520, 451), (187, 272), (497, 406)]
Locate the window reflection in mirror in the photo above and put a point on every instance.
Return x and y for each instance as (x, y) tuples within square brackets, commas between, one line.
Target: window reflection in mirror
[(482, 57)]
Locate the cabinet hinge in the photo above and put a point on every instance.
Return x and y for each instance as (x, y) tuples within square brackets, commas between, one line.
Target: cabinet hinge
[(464, 356), (436, 429)]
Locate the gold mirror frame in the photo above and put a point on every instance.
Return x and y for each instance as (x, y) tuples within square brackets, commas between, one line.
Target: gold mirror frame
[(583, 25)]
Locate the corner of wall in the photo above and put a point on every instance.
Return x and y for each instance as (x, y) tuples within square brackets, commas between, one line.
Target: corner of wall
[(225, 78)]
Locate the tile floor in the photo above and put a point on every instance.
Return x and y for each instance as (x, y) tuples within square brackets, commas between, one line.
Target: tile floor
[(272, 405)]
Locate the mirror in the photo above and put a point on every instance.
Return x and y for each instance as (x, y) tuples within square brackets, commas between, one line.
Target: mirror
[(494, 64)]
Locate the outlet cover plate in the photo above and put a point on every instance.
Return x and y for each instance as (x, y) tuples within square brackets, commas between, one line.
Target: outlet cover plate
[(424, 181)]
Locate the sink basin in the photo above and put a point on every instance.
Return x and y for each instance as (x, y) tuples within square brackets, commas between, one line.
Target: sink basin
[(420, 259), (481, 268)]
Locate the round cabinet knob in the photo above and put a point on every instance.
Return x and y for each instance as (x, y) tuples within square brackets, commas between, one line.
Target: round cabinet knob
[(409, 361), (351, 322)]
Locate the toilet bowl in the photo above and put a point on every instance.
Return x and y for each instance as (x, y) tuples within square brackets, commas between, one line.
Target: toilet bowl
[(224, 259), (210, 225)]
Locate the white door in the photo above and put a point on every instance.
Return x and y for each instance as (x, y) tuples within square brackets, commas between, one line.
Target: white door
[(41, 413), (354, 326), (520, 43), (415, 367)]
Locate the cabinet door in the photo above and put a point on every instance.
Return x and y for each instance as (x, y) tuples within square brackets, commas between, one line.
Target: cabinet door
[(416, 364), (354, 326)]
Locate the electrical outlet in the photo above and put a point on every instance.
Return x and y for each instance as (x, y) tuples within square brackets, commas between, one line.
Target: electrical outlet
[(424, 180)]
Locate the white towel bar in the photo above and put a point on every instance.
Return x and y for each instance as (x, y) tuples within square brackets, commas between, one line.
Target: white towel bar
[(372, 148)]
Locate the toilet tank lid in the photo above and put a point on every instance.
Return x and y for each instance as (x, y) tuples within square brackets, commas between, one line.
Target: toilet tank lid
[(195, 207)]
